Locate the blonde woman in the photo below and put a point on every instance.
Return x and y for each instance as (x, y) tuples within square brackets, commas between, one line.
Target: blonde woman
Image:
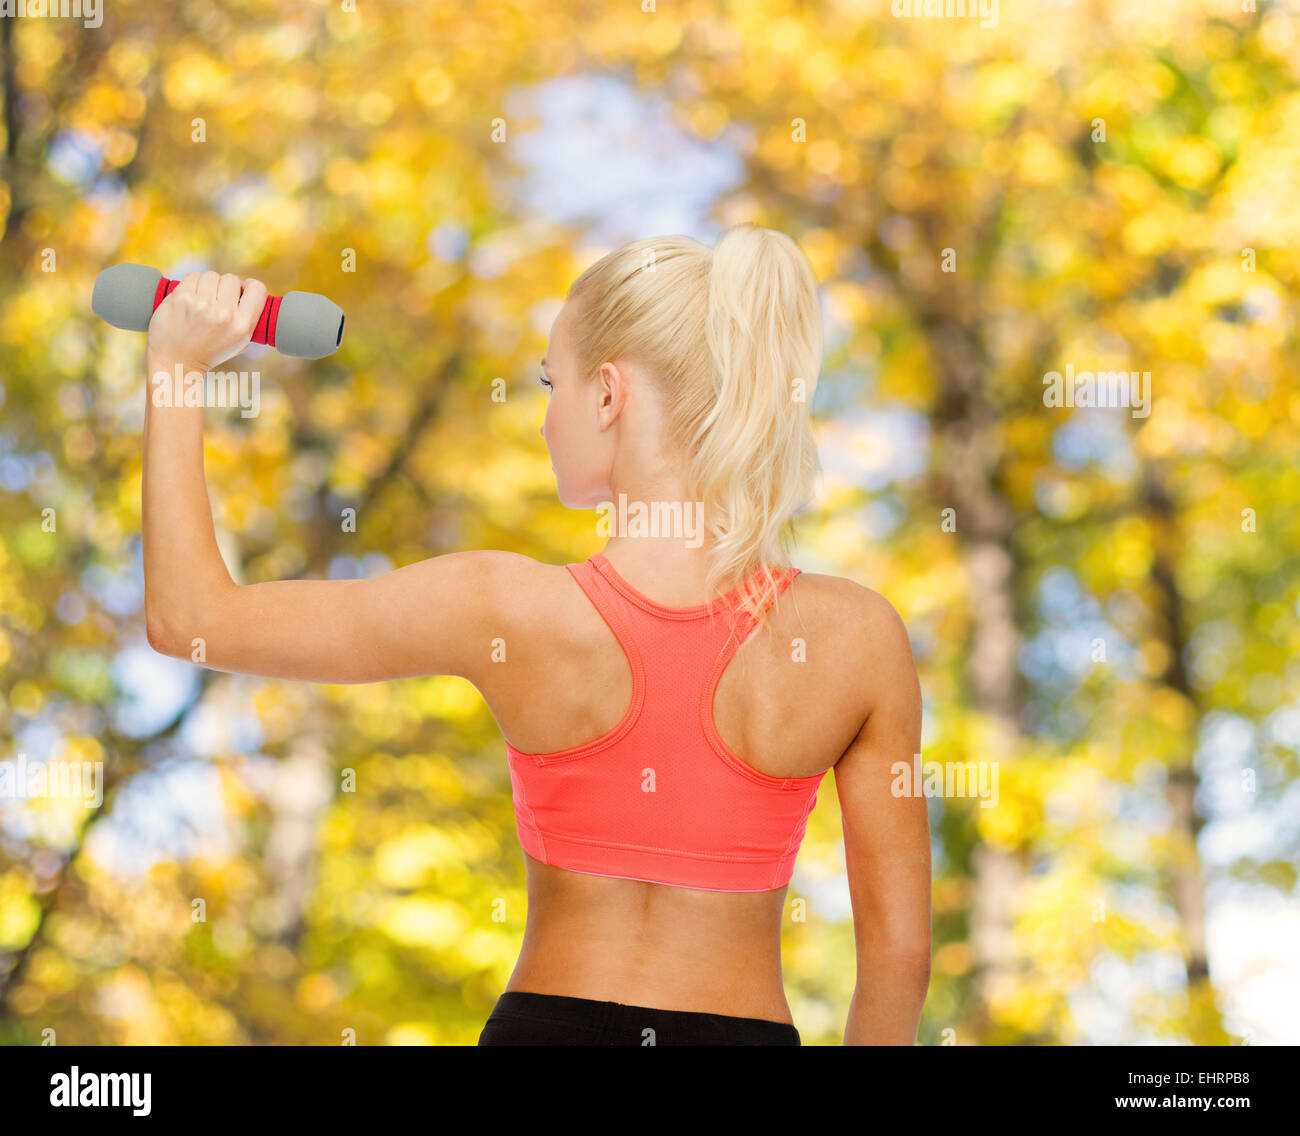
[(671, 705)]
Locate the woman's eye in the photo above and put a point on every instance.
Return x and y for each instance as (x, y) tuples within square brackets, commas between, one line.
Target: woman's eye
[(545, 382)]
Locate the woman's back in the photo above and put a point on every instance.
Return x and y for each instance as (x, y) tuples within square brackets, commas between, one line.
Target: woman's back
[(789, 702)]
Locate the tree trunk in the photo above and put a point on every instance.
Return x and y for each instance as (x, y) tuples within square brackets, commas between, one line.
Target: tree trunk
[(1183, 876)]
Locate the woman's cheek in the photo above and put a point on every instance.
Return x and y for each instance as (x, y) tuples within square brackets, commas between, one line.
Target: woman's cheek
[(555, 441), (549, 431)]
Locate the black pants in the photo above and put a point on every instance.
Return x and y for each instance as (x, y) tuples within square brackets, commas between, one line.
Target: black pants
[(520, 1018)]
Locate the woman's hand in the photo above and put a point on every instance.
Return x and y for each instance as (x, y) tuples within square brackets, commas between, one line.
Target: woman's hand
[(207, 319)]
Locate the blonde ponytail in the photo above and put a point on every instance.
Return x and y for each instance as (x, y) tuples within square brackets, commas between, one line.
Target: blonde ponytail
[(733, 335)]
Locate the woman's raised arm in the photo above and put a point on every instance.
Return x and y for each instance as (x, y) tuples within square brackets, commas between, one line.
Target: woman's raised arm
[(438, 616)]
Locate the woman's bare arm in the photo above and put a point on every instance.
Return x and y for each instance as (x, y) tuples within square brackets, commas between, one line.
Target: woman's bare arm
[(439, 616), (887, 847)]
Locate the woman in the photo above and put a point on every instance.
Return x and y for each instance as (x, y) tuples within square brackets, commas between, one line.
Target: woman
[(670, 705)]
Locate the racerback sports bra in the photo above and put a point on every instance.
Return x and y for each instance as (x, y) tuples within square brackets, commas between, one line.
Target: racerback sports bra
[(660, 798)]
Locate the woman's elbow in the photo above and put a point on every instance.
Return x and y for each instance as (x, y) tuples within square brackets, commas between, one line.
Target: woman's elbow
[(912, 955), (171, 632), (920, 951), (161, 635), (185, 628)]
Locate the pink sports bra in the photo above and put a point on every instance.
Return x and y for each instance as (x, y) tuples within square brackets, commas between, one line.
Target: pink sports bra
[(660, 798)]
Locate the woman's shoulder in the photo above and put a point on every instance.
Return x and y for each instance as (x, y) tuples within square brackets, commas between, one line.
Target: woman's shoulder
[(844, 597), (492, 581), (518, 586), (492, 566), (845, 610)]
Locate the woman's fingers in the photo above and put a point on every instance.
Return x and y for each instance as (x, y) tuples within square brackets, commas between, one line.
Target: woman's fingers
[(252, 301), (228, 287), (211, 315)]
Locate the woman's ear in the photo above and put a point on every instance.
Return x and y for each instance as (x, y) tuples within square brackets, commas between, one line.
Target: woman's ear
[(611, 393)]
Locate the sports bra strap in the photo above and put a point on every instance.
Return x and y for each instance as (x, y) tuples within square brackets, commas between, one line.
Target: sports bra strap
[(585, 575)]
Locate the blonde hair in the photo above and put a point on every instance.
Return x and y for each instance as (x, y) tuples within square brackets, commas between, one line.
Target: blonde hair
[(733, 336)]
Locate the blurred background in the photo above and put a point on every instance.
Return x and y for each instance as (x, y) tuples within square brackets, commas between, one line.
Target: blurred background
[(1106, 604)]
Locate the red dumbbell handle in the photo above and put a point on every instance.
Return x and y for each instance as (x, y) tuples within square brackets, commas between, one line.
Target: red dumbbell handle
[(263, 333)]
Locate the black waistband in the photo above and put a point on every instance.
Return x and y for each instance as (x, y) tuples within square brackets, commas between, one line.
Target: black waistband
[(588, 1011)]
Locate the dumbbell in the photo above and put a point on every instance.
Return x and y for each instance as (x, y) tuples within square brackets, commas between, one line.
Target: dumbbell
[(302, 324)]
